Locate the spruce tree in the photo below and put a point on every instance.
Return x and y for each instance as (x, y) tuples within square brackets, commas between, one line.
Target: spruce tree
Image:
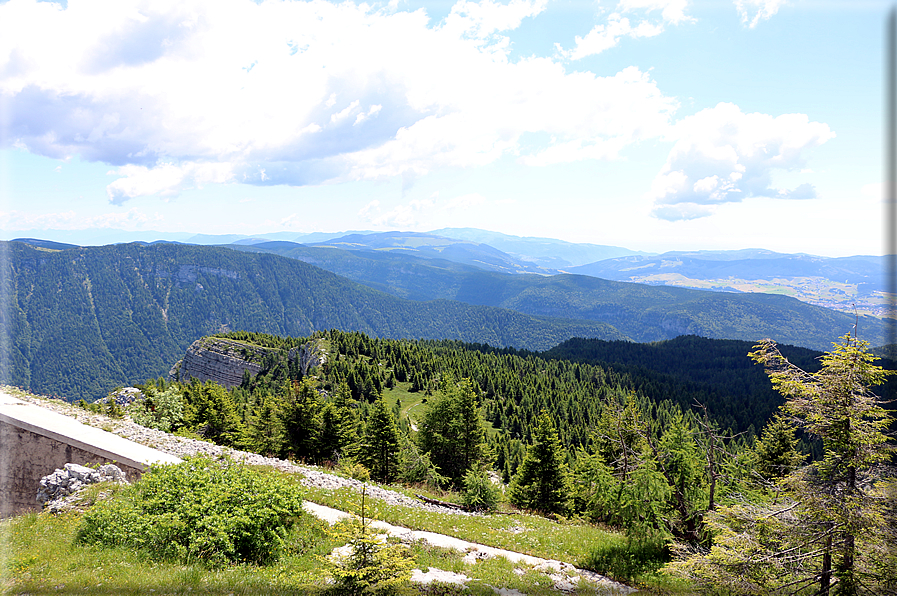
[(827, 526), (542, 482), (775, 453), (452, 430), (301, 421), (379, 451)]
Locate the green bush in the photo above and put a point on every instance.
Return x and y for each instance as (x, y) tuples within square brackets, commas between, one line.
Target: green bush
[(353, 469), (480, 493), (163, 411), (217, 512)]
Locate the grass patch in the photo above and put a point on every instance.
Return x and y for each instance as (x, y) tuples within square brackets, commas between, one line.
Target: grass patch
[(41, 557), (586, 546)]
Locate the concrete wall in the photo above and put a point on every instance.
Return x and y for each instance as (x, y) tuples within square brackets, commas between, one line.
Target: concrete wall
[(35, 441), (27, 457)]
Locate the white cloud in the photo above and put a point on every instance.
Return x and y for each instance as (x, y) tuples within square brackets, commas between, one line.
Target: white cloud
[(166, 179), (365, 115), (343, 114), (765, 9), (482, 19), (401, 216), (722, 155), (160, 90), (604, 37), (672, 11)]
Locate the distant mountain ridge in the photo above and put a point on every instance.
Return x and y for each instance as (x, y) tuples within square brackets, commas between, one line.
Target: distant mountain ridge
[(81, 321), (641, 312)]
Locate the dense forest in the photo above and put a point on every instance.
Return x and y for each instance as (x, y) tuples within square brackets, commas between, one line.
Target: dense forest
[(640, 312), (575, 438), (81, 321)]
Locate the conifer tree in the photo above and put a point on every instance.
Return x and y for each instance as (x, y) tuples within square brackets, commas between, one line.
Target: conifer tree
[(379, 451), (301, 421), (829, 526), (775, 453), (542, 482), (212, 412), (452, 430), (265, 434)]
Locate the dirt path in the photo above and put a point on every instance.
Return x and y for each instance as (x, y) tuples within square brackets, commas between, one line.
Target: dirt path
[(564, 575)]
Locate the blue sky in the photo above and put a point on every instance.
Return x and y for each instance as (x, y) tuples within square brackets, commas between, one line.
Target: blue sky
[(651, 124)]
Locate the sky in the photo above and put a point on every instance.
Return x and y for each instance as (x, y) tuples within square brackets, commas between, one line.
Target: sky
[(653, 125)]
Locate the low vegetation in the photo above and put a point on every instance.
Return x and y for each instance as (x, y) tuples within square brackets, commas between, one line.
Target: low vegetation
[(200, 510), (641, 490)]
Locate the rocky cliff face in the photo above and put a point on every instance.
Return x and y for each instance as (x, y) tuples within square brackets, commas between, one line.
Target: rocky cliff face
[(224, 361)]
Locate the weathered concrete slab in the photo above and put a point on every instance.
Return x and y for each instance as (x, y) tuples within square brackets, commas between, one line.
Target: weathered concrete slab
[(34, 441)]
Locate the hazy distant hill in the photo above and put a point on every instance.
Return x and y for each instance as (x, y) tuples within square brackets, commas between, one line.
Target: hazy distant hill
[(848, 284), (431, 246), (83, 320), (545, 252), (755, 264), (641, 312)]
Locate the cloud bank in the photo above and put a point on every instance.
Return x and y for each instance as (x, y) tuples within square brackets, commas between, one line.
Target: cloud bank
[(178, 94), (723, 155)]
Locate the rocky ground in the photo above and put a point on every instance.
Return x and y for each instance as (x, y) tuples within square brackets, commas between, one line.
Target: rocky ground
[(184, 447), (564, 576)]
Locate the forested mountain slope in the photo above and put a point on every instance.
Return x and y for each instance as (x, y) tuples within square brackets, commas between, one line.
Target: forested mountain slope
[(689, 370), (81, 321), (641, 312)]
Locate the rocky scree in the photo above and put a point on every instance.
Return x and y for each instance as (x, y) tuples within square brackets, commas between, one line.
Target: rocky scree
[(56, 488)]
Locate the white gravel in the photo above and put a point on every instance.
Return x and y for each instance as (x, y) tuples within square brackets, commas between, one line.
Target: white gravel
[(565, 576), (183, 447)]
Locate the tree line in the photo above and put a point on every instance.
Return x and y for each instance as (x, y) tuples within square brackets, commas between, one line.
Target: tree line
[(571, 439)]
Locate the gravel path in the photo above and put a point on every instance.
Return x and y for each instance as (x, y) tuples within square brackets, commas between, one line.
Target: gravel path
[(564, 576), (182, 447)]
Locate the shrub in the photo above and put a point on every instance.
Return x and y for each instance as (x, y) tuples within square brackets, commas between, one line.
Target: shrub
[(480, 493), (200, 510), (353, 469), (163, 411), (368, 564)]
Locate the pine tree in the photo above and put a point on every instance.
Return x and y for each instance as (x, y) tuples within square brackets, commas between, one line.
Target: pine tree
[(542, 482)]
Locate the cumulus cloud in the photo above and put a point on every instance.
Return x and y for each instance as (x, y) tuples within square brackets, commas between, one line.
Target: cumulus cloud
[(722, 155), (604, 37), (178, 93), (166, 179), (672, 11), (763, 10), (482, 19)]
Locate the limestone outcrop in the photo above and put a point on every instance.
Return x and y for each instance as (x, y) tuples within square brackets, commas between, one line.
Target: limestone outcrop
[(55, 488), (222, 361), (225, 361)]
